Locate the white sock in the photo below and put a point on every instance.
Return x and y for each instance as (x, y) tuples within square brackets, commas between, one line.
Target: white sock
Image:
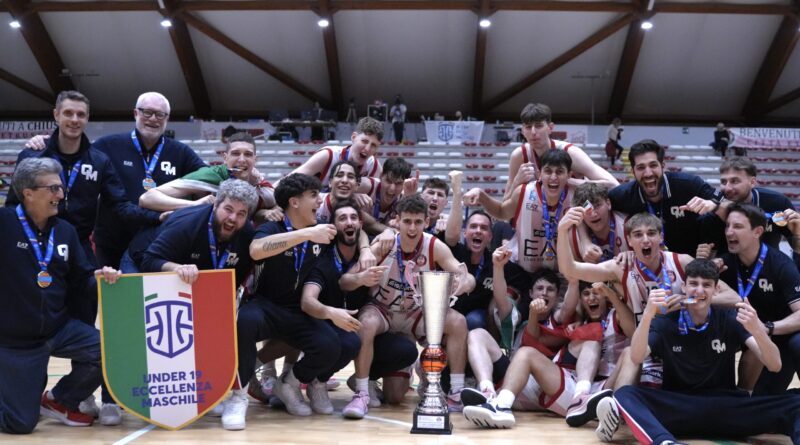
[(582, 387), (456, 383), (241, 392), (362, 384), (505, 398), (486, 385)]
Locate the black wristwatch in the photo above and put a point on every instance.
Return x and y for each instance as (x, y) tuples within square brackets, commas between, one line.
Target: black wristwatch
[(770, 327)]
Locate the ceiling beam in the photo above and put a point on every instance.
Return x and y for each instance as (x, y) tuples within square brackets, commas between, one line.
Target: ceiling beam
[(28, 87), (780, 101), (723, 8), (626, 68), (332, 56), (220, 37), (774, 62), (480, 61), (187, 56), (559, 61), (510, 5), (41, 45)]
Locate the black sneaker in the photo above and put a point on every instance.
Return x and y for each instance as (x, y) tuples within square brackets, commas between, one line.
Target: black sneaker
[(489, 415), (472, 397)]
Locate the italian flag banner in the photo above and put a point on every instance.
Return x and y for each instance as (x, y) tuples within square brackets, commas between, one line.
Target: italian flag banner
[(169, 348)]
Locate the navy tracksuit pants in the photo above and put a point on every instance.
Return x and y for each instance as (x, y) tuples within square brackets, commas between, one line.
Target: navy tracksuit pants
[(656, 415)]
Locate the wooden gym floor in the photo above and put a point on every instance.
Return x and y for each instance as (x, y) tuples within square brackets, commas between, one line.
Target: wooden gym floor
[(385, 425)]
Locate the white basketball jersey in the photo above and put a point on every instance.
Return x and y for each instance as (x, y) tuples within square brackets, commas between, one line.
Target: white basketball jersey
[(394, 292), (529, 242), (637, 285), (371, 168)]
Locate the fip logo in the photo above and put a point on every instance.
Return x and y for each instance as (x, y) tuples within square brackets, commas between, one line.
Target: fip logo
[(169, 325), (765, 285), (445, 131)]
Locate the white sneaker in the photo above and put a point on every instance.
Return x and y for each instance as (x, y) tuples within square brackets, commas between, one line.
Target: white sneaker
[(110, 414), (608, 419), (375, 391), (288, 390), (234, 410), (89, 407), (317, 393)]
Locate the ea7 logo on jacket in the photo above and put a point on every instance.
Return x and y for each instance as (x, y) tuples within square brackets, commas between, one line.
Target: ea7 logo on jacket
[(168, 169), (89, 172)]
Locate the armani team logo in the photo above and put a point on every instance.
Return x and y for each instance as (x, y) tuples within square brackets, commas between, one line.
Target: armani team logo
[(89, 172), (717, 346), (676, 212), (63, 251), (765, 285), (168, 169)]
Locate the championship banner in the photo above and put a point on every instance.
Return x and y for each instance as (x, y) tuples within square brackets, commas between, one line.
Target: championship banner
[(453, 132), (169, 348), (25, 129), (765, 137)]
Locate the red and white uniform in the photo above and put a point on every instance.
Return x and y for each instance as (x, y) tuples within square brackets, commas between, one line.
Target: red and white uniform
[(620, 243), (394, 296), (383, 216), (528, 155), (371, 168), (636, 287), (325, 211), (529, 241)]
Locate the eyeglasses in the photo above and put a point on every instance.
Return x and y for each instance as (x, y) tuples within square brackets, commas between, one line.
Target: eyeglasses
[(54, 189), (160, 115)]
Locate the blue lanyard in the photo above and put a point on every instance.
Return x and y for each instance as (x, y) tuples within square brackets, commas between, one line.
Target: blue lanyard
[(216, 263), (148, 168), (480, 268), (664, 282), (685, 321), (37, 250), (337, 260), (548, 230), (298, 259), (744, 292), (612, 238), (73, 175), (345, 156), (652, 211), (399, 256)]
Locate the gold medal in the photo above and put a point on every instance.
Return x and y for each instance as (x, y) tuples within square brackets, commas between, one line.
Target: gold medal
[(43, 279), (779, 219), (549, 253)]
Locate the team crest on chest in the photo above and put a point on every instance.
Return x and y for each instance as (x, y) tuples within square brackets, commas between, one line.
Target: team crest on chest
[(421, 260)]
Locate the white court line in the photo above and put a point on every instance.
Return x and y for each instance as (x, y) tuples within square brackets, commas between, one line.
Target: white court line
[(461, 439), (392, 421), (133, 436)]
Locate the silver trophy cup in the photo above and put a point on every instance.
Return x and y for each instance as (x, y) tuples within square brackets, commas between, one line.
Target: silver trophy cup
[(431, 415)]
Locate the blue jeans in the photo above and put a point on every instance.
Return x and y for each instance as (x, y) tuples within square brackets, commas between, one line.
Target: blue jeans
[(23, 375), (476, 318)]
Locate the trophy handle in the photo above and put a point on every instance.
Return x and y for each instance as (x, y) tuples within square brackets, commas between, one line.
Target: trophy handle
[(412, 278), (457, 280)]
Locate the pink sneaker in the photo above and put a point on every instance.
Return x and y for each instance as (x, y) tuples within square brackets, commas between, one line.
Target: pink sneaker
[(358, 407), (54, 410)]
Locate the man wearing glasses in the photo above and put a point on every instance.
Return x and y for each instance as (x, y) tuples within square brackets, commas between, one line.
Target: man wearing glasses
[(42, 272), (144, 159)]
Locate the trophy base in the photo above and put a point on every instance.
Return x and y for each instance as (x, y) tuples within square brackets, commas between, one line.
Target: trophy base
[(432, 423)]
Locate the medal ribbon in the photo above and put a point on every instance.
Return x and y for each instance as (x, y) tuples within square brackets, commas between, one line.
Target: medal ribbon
[(744, 292), (216, 263), (37, 250), (148, 168)]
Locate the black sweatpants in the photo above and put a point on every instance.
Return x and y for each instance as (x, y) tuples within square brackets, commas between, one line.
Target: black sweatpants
[(656, 415)]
